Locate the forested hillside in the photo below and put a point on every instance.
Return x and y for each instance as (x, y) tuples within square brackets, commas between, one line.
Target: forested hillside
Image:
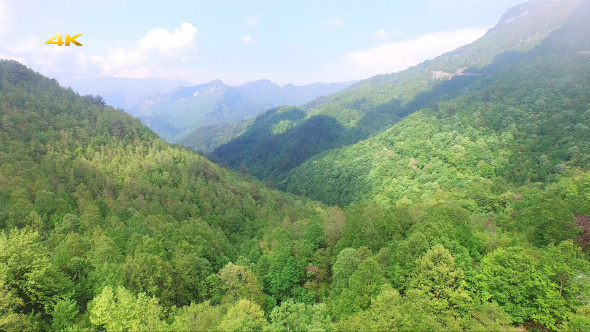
[(205, 139), (468, 211), (372, 106), (525, 117), (177, 116), (90, 198)]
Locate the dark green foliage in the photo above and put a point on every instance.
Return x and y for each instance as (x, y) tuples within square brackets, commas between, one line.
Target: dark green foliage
[(462, 89), (502, 129), (205, 139), (472, 212), (90, 198)]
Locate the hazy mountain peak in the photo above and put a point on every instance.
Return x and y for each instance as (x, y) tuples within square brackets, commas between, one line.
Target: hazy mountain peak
[(185, 109), (216, 82), (520, 11), (259, 82)]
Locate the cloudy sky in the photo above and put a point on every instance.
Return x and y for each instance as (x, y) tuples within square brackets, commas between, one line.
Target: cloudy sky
[(286, 41)]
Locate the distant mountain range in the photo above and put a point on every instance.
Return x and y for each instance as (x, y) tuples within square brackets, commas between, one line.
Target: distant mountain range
[(122, 92), (454, 197), (175, 114)]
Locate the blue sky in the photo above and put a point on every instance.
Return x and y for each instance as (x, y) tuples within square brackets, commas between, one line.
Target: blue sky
[(286, 41)]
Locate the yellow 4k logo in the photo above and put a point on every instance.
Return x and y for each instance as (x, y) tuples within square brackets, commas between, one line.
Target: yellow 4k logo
[(60, 41)]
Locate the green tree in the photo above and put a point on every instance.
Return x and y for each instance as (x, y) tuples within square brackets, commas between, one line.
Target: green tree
[(566, 266), (346, 263), (437, 276), (238, 283), (384, 314), (244, 315), (11, 319), (512, 278), (579, 321), (150, 274), (291, 316), (64, 313), (26, 270), (488, 317), (120, 310), (198, 317), (364, 284)]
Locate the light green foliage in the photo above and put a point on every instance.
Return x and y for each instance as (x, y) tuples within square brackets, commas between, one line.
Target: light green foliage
[(400, 258), (384, 314), (566, 266), (239, 283), (488, 317), (281, 127), (578, 322), (512, 278), (281, 274), (26, 270), (64, 313), (244, 315), (464, 203), (291, 316), (147, 273), (198, 317), (346, 264), (10, 317), (437, 276), (370, 225), (120, 310), (391, 312)]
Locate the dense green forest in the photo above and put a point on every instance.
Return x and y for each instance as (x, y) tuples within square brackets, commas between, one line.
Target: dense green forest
[(469, 209), (525, 117), (276, 144), (205, 139)]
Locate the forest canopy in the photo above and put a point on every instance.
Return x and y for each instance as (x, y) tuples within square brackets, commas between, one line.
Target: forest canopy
[(469, 210)]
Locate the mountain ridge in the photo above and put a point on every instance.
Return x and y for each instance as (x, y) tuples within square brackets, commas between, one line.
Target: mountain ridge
[(174, 115), (470, 213), (371, 106)]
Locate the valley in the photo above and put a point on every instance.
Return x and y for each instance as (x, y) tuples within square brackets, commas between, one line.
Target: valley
[(450, 196)]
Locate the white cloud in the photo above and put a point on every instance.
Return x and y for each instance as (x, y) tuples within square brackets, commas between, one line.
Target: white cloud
[(331, 21), (162, 40), (159, 53), (249, 40), (395, 56)]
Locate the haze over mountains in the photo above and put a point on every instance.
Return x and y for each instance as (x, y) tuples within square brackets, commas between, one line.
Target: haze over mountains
[(285, 145), (173, 115), (453, 196), (122, 92)]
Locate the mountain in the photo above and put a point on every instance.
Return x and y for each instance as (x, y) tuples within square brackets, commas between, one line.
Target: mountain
[(280, 140), (176, 114), (523, 118), (122, 92), (470, 213), (205, 139), (89, 198)]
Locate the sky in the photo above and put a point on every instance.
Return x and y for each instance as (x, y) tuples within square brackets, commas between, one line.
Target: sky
[(237, 41)]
